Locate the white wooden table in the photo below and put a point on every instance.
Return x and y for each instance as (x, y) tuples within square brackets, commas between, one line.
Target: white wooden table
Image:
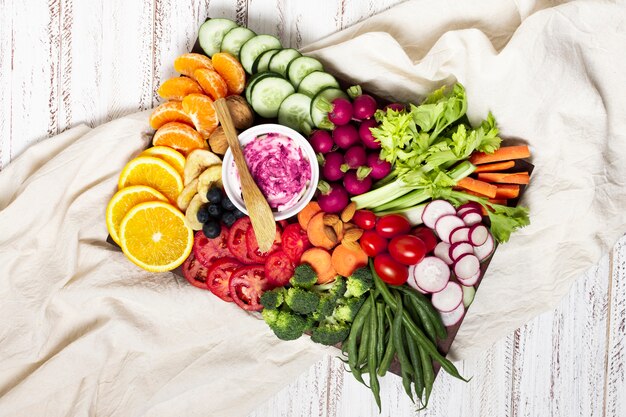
[(65, 62)]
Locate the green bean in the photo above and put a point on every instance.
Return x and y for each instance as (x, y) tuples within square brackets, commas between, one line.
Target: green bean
[(423, 319), (380, 330), (427, 312), (405, 365), (355, 333), (391, 348), (418, 375), (372, 357), (429, 374), (364, 343)]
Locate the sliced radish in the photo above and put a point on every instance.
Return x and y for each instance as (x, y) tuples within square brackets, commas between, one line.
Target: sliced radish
[(478, 234), (446, 224), (436, 209), (466, 210), (449, 298), (412, 283), (460, 248), (442, 251), (466, 266), (468, 295), (470, 205), (470, 217), (431, 274), (453, 317), (470, 281), (460, 234), (485, 250)]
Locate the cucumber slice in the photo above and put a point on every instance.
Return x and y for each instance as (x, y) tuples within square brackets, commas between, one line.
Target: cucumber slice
[(316, 82), (301, 67), (295, 112), (234, 40), (268, 94), (212, 32), (262, 63), (255, 47), (253, 80), (281, 60), (318, 116)]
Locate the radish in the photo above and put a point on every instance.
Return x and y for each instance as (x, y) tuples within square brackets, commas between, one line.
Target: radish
[(412, 283), (478, 234), (380, 168), (442, 251), (366, 135), (358, 182), (446, 224), (458, 249), (485, 250), (470, 205), (466, 266), (395, 106), (460, 234), (354, 158), (332, 198), (431, 274), (345, 136), (449, 298), (468, 295), (321, 141), (471, 280), (453, 317), (331, 170), (363, 105), (471, 217), (436, 209), (341, 112), (461, 211)]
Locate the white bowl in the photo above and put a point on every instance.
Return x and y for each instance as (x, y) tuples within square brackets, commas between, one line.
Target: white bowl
[(231, 182)]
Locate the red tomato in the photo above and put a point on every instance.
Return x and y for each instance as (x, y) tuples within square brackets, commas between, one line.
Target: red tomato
[(252, 245), (219, 275), (407, 249), (389, 270), (372, 243), (195, 272), (427, 236), (365, 219), (392, 225), (208, 250), (246, 286), (237, 240), (295, 242), (278, 269)]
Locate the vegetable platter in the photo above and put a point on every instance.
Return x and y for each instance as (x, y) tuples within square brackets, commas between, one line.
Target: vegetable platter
[(381, 256)]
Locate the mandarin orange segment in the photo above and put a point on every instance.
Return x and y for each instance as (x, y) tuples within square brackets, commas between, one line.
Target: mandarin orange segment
[(200, 109), (178, 87), (180, 137), (211, 82), (171, 111), (186, 64), (229, 68)]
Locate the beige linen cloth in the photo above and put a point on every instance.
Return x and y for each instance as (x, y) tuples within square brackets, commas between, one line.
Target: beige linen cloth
[(85, 333)]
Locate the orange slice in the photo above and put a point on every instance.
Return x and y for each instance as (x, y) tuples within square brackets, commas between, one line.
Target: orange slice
[(171, 111), (153, 172), (211, 82), (186, 64), (200, 109), (178, 87), (180, 137), (169, 155), (229, 68)]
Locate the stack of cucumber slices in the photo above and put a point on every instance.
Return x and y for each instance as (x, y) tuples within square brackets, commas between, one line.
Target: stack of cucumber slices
[(283, 83)]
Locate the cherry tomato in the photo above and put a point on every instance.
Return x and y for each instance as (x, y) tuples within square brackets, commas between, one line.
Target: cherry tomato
[(237, 240), (392, 225), (365, 219), (195, 272), (295, 242), (407, 249), (427, 236), (208, 250), (278, 269), (372, 243), (246, 286), (389, 270), (252, 245), (218, 277)]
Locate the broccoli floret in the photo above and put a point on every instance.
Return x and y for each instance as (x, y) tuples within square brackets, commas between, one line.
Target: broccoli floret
[(274, 298), (325, 307), (304, 277), (285, 324), (360, 282), (302, 301), (338, 289), (347, 308), (330, 332)]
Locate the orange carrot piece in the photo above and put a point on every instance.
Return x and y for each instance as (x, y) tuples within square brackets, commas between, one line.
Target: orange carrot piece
[(316, 233), (495, 167), (501, 177), (507, 191), (321, 262), (500, 201), (503, 154), (478, 186), (307, 213), (345, 260)]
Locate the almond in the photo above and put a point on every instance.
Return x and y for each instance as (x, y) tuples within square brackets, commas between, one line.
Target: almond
[(330, 219), (353, 235), (353, 246), (330, 234), (348, 226), (348, 213), (338, 227)]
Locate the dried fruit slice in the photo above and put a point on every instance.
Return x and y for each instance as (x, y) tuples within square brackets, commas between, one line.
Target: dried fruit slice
[(197, 161), (185, 196), (211, 82), (229, 68), (178, 87), (171, 111), (186, 64), (180, 137), (153, 172), (200, 109), (169, 155)]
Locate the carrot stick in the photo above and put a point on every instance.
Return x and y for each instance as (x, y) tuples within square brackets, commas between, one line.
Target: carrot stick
[(502, 202), (507, 191), (321, 262), (495, 167), (307, 212), (478, 186), (345, 260), (500, 177), (316, 233), (503, 154)]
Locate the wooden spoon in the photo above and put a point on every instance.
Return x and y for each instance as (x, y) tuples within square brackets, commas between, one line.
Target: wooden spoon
[(259, 210)]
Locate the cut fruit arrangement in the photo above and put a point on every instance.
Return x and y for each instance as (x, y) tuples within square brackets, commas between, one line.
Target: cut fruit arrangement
[(384, 261)]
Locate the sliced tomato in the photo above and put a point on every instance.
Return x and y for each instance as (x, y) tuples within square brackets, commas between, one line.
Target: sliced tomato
[(208, 250), (247, 284), (279, 269), (254, 252), (237, 240), (195, 272), (218, 277), (295, 242)]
